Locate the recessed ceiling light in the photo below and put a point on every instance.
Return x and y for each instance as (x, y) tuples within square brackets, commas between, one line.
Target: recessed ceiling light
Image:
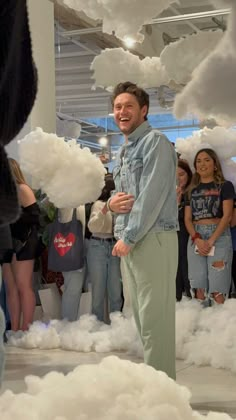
[(103, 141), (129, 42)]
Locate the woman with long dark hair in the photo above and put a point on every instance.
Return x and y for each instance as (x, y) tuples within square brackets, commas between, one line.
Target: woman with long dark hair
[(184, 176), (207, 217)]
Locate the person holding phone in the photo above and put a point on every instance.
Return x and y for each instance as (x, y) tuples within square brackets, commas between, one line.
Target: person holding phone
[(208, 214)]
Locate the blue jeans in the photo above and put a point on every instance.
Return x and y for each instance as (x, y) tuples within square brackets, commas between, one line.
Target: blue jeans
[(2, 329), (105, 275), (202, 273), (73, 283)]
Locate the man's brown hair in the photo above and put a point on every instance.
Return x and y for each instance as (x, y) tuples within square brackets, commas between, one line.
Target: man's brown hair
[(128, 87)]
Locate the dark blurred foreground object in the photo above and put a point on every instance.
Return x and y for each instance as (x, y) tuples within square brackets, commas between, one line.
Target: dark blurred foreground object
[(9, 206), (18, 76), (18, 88)]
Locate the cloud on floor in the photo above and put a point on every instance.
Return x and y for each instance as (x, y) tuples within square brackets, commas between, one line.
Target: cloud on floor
[(113, 389), (197, 338)]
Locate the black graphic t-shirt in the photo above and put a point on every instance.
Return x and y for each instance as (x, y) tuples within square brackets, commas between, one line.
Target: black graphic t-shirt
[(207, 199)]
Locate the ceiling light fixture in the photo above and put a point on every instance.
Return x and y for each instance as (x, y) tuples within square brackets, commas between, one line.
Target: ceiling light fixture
[(129, 42), (103, 141)]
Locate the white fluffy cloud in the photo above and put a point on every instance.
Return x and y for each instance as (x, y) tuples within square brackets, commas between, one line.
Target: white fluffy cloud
[(125, 17), (212, 90), (196, 335), (69, 175), (115, 65), (182, 57), (220, 139), (177, 62), (113, 389)]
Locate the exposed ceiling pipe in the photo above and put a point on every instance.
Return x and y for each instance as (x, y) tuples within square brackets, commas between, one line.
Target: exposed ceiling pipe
[(191, 16), (84, 31)]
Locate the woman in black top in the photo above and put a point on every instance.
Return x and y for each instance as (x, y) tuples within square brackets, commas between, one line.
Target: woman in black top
[(207, 217), (18, 274), (184, 176)]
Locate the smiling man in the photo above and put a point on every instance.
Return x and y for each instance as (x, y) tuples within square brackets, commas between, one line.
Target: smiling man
[(146, 222)]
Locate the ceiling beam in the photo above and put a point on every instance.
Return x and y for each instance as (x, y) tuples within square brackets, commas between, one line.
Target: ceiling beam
[(82, 95), (74, 87)]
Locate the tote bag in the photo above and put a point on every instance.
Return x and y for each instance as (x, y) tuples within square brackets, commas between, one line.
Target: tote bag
[(66, 245)]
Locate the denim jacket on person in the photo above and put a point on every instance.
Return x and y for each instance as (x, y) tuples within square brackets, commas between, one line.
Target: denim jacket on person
[(146, 168)]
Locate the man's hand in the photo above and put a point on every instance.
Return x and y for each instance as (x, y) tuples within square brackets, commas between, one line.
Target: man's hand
[(120, 249), (121, 202)]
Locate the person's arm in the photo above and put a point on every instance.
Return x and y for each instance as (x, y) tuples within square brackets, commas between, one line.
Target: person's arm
[(233, 220), (158, 176), (98, 221), (26, 195), (202, 246), (224, 222), (188, 221), (27, 199)]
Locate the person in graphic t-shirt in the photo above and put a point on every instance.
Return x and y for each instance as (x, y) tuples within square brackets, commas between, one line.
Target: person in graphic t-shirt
[(210, 245)]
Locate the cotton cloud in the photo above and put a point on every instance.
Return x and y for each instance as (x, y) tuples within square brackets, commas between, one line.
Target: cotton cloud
[(124, 66), (177, 62), (69, 175), (182, 57), (113, 389), (124, 17), (212, 90), (220, 139), (197, 339)]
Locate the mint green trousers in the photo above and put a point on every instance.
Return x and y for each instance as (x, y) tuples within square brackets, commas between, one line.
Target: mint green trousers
[(150, 271)]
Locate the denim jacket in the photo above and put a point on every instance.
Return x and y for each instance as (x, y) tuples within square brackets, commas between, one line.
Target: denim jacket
[(146, 168)]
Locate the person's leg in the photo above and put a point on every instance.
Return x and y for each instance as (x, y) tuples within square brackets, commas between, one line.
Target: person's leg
[(2, 329), (234, 271), (179, 282), (197, 272), (23, 274), (179, 275), (184, 263), (129, 278), (86, 276), (12, 295), (114, 284), (219, 268), (73, 283), (97, 270), (155, 260)]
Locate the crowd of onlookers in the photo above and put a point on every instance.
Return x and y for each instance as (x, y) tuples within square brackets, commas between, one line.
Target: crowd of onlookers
[(207, 245)]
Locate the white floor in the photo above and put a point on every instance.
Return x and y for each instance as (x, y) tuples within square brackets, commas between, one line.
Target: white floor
[(212, 389)]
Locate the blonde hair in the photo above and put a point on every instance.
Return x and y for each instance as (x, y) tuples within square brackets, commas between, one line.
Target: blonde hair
[(218, 176), (16, 171)]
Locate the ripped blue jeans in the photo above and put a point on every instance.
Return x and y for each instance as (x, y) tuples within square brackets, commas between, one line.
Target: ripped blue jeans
[(202, 272)]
